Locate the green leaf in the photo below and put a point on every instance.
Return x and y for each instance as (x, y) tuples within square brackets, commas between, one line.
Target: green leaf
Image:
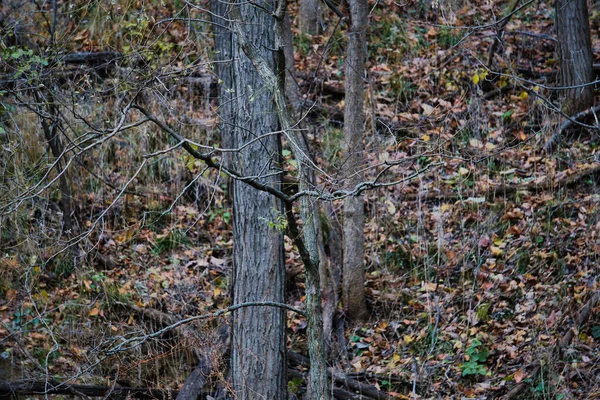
[(507, 115), (227, 217)]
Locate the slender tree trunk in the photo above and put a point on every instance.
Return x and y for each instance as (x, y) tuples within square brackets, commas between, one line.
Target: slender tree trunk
[(331, 273), (309, 16), (329, 288), (353, 295), (223, 40), (258, 363), (50, 127), (573, 31)]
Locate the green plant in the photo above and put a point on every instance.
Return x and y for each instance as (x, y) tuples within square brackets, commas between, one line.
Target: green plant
[(295, 385), (302, 43), (483, 311), (477, 356), (280, 223), (332, 143), (63, 265), (448, 37), (596, 332), (402, 88), (220, 212), (400, 259), (26, 62), (170, 242)]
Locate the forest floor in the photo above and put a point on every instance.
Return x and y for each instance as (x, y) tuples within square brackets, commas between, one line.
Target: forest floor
[(481, 272)]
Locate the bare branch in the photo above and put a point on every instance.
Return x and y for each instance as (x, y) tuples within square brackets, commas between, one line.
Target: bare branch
[(131, 343)]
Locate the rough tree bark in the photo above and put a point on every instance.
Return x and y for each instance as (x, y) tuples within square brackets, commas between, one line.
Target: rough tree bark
[(353, 295), (308, 246), (258, 333), (573, 31)]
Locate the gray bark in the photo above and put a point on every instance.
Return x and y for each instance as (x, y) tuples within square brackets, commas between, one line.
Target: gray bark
[(308, 248), (329, 287), (224, 69), (573, 31), (247, 109), (353, 296), (309, 17)]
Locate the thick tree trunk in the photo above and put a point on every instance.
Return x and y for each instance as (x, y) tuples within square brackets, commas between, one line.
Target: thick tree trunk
[(273, 80), (247, 110), (573, 31), (353, 295)]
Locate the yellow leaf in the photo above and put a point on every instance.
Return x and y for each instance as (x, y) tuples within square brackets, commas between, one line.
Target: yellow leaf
[(445, 207), (524, 95), (476, 79), (396, 357), (463, 171), (216, 292), (93, 312), (475, 143), (425, 138), (407, 339), (496, 251)]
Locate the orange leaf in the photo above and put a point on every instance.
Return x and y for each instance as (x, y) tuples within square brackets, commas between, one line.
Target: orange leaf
[(519, 376)]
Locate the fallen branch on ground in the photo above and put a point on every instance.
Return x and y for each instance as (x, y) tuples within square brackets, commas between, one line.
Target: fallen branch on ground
[(585, 115), (340, 378), (505, 190), (44, 388)]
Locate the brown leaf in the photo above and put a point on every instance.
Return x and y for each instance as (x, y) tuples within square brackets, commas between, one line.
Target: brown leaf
[(519, 376)]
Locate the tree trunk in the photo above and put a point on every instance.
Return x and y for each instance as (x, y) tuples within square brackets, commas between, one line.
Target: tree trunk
[(258, 364), (353, 292), (573, 31), (329, 287), (309, 17), (273, 81), (331, 274), (223, 40)]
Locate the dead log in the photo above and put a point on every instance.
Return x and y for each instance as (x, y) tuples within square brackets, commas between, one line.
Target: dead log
[(506, 190), (579, 118), (198, 379), (341, 379), (9, 390)]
